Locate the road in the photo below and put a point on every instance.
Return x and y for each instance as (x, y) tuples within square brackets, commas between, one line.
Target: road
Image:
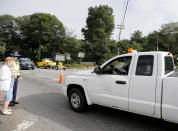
[(44, 108)]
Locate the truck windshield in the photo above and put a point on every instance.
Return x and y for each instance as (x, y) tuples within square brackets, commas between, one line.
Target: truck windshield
[(169, 65)]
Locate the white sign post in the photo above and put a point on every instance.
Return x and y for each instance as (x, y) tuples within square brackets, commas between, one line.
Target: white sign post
[(81, 55), (60, 57), (68, 56)]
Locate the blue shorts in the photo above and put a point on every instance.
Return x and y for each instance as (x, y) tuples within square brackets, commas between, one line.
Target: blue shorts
[(7, 95)]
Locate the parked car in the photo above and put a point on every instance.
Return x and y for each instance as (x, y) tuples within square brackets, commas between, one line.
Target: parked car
[(46, 63), (26, 63), (60, 66), (145, 83)]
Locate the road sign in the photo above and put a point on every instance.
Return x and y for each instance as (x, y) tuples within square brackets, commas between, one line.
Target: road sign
[(60, 57), (81, 54), (68, 57)]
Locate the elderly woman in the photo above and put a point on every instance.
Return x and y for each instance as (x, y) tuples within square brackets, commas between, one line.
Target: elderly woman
[(6, 84)]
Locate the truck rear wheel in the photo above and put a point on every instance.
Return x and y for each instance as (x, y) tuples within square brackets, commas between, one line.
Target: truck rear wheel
[(77, 100)]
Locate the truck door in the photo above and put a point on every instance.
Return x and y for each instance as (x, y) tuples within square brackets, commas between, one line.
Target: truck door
[(111, 87), (143, 85)]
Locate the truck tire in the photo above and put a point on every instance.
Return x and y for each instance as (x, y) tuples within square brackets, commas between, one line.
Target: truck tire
[(77, 100)]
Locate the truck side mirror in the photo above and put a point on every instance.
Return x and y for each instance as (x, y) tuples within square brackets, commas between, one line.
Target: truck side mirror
[(98, 70)]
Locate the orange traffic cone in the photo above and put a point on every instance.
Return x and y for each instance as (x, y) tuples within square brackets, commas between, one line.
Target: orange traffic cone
[(61, 78), (1, 94)]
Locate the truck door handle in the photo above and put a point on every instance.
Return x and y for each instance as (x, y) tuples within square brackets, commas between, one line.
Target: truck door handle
[(120, 82)]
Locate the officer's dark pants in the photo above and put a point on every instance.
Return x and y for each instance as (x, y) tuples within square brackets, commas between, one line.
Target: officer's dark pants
[(15, 89)]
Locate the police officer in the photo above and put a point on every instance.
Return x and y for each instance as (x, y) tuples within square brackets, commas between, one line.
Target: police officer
[(16, 70)]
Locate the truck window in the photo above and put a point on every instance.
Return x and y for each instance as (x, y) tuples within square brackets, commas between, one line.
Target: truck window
[(169, 65), (119, 66), (145, 65)]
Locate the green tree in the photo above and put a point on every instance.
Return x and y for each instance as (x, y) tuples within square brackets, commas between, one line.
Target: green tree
[(170, 32), (113, 48), (137, 37), (123, 46), (9, 32), (166, 39), (100, 24), (73, 46), (137, 40), (137, 46), (2, 49), (151, 42), (86, 48), (45, 30)]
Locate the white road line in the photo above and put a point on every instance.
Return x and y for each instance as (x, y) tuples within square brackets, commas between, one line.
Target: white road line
[(26, 123)]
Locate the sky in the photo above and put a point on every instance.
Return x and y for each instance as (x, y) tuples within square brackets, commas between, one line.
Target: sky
[(143, 15)]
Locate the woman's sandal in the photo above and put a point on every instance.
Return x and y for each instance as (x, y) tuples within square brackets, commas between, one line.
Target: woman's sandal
[(9, 110), (6, 112)]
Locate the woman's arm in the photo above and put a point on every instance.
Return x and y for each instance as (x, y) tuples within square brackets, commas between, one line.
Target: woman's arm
[(5, 73)]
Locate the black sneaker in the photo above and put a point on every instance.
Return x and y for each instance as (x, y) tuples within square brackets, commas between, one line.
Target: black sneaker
[(11, 104), (14, 102)]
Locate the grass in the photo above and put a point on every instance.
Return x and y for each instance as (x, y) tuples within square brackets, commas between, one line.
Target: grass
[(79, 66)]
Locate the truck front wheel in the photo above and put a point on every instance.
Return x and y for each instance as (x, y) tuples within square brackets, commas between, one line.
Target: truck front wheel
[(77, 100)]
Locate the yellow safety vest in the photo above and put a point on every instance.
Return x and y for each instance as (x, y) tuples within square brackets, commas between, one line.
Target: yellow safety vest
[(16, 68)]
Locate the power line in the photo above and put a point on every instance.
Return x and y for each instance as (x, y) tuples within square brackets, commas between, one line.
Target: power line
[(121, 26), (123, 10)]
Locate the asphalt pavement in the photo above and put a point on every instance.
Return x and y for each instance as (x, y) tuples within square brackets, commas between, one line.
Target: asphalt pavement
[(44, 108)]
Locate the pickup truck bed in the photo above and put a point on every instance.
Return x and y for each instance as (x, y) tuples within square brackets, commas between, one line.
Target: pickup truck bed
[(170, 97)]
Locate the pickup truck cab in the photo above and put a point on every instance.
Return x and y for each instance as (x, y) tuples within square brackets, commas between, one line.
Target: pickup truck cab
[(145, 83)]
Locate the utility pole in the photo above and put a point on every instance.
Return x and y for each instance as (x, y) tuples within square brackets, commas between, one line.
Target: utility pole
[(120, 27), (157, 41)]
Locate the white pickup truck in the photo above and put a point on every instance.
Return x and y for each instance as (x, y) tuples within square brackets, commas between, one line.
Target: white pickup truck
[(145, 83)]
